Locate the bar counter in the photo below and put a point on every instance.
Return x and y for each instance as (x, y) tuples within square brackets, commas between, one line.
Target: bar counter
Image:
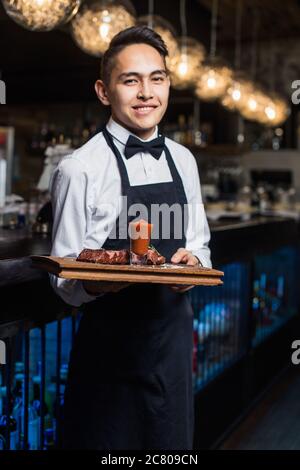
[(242, 330), (231, 241)]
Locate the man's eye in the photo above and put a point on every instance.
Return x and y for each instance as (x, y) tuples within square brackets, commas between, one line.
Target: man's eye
[(158, 79), (130, 80)]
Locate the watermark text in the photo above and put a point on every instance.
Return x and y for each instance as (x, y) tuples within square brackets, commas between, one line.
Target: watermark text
[(2, 353), (296, 354), (2, 92)]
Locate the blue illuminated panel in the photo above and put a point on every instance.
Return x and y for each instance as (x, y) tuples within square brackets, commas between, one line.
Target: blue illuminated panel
[(220, 315), (275, 297)]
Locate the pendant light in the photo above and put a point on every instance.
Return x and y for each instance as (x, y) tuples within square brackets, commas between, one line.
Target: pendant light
[(240, 87), (161, 27), (276, 110), (98, 21), (41, 15), (255, 102), (186, 64), (215, 75)]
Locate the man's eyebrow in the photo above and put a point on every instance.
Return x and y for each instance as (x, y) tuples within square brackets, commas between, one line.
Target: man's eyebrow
[(136, 74)]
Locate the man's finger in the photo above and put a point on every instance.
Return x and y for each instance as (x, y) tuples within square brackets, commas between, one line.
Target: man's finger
[(193, 261), (179, 255)]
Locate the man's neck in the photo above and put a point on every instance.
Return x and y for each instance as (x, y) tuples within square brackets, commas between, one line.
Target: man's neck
[(141, 133)]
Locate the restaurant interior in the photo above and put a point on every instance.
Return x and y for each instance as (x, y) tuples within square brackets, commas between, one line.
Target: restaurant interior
[(235, 74)]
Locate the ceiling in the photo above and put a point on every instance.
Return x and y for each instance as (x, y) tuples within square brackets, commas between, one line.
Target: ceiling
[(39, 65), (277, 19)]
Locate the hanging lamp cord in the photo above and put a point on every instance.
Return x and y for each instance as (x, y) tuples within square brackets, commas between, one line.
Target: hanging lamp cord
[(183, 26), (272, 65), (254, 44), (183, 17), (238, 26), (150, 13), (213, 31)]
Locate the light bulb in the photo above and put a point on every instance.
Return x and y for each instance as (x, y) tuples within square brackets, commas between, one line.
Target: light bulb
[(104, 30), (211, 83), (270, 112), (236, 94), (183, 66), (252, 104), (41, 15)]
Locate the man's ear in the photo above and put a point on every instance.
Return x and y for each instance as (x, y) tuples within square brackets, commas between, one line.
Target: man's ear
[(101, 92)]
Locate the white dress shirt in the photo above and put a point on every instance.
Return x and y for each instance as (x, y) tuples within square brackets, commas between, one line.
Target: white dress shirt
[(88, 179)]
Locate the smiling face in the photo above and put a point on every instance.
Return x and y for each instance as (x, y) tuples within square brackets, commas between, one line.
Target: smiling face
[(138, 89)]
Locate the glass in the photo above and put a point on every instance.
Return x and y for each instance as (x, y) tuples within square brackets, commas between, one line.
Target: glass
[(140, 234)]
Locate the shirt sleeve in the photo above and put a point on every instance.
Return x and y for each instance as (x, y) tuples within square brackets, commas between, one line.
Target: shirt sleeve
[(198, 232), (69, 188)]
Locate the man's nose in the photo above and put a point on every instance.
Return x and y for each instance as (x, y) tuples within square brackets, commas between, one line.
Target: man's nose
[(145, 91)]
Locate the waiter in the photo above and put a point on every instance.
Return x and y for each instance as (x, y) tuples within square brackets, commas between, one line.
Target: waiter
[(130, 372)]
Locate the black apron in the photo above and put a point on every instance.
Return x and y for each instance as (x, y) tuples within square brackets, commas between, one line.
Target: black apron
[(130, 376)]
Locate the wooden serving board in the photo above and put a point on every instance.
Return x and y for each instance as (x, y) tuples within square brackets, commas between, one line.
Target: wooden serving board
[(69, 268)]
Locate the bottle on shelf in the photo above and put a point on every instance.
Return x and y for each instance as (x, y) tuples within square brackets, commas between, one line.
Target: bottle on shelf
[(36, 403), (76, 133), (16, 397), (43, 136), (189, 134), (264, 203), (180, 134), (12, 428), (85, 135), (22, 215), (255, 308), (2, 443), (49, 439)]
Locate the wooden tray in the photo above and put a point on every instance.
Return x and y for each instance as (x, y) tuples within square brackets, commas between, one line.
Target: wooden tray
[(69, 268)]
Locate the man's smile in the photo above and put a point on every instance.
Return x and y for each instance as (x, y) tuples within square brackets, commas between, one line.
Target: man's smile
[(144, 109)]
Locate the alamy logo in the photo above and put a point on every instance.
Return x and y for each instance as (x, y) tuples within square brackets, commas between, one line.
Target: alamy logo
[(296, 354), (2, 353), (2, 92), (296, 94)]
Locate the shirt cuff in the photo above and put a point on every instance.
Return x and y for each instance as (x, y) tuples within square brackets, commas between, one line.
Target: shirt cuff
[(84, 295), (198, 260), (71, 291), (204, 260)]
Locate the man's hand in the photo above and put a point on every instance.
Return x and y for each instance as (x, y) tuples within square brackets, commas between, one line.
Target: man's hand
[(184, 256), (103, 287)]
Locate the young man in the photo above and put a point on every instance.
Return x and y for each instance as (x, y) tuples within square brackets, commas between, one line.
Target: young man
[(130, 374)]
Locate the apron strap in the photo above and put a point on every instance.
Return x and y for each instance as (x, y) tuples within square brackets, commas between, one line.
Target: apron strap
[(177, 180), (122, 168)]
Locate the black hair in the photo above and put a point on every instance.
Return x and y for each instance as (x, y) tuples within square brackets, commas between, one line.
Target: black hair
[(127, 37)]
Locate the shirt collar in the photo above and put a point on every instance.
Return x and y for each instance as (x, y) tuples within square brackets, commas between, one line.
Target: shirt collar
[(122, 134)]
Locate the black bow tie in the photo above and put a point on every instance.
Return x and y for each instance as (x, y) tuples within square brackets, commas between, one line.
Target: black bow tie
[(135, 145)]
